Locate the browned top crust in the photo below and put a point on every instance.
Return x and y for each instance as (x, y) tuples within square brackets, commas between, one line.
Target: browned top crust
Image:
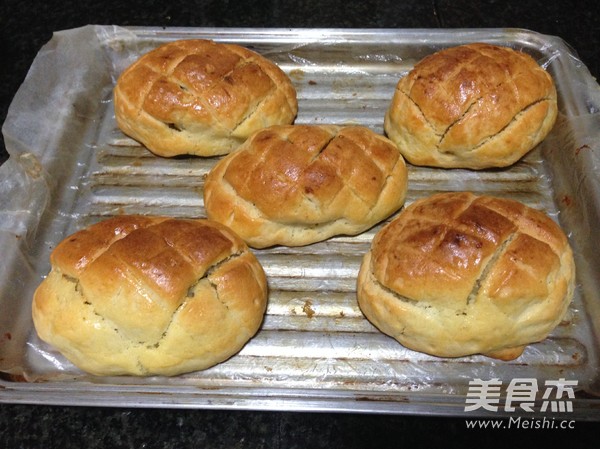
[(298, 184), (201, 97), (460, 274), (472, 106), (150, 295)]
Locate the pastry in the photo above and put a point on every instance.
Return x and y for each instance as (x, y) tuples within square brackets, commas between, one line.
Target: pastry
[(147, 295), (457, 274), (473, 106), (299, 184), (201, 97)]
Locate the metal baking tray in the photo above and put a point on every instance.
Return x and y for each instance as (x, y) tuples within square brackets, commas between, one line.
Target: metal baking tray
[(70, 166)]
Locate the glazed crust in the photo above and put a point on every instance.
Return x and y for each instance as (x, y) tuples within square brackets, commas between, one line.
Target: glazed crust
[(144, 295), (299, 184), (201, 97), (473, 106), (457, 274)]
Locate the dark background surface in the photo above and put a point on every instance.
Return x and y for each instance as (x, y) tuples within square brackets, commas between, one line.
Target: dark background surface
[(26, 26)]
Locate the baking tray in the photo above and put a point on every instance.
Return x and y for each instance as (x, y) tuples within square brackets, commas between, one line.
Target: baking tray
[(70, 166)]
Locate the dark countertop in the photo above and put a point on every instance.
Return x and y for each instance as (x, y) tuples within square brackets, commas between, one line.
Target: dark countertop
[(26, 26)]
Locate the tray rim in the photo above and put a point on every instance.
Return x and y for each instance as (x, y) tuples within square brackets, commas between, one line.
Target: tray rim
[(16, 392)]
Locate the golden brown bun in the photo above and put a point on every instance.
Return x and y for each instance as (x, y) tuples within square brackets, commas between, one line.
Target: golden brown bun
[(200, 97), (299, 184), (473, 106), (150, 295), (457, 274)]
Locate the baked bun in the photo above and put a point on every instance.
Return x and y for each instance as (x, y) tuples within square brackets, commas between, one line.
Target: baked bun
[(299, 184), (457, 274), (144, 295), (200, 97), (473, 106)]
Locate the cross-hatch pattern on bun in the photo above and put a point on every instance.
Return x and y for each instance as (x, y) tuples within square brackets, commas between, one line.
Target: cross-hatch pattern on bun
[(457, 274), (200, 97), (299, 184), (147, 295), (472, 106)]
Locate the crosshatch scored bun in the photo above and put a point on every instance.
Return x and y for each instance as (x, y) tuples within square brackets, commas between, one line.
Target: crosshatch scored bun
[(299, 184), (143, 295), (457, 274), (473, 106), (200, 97)]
